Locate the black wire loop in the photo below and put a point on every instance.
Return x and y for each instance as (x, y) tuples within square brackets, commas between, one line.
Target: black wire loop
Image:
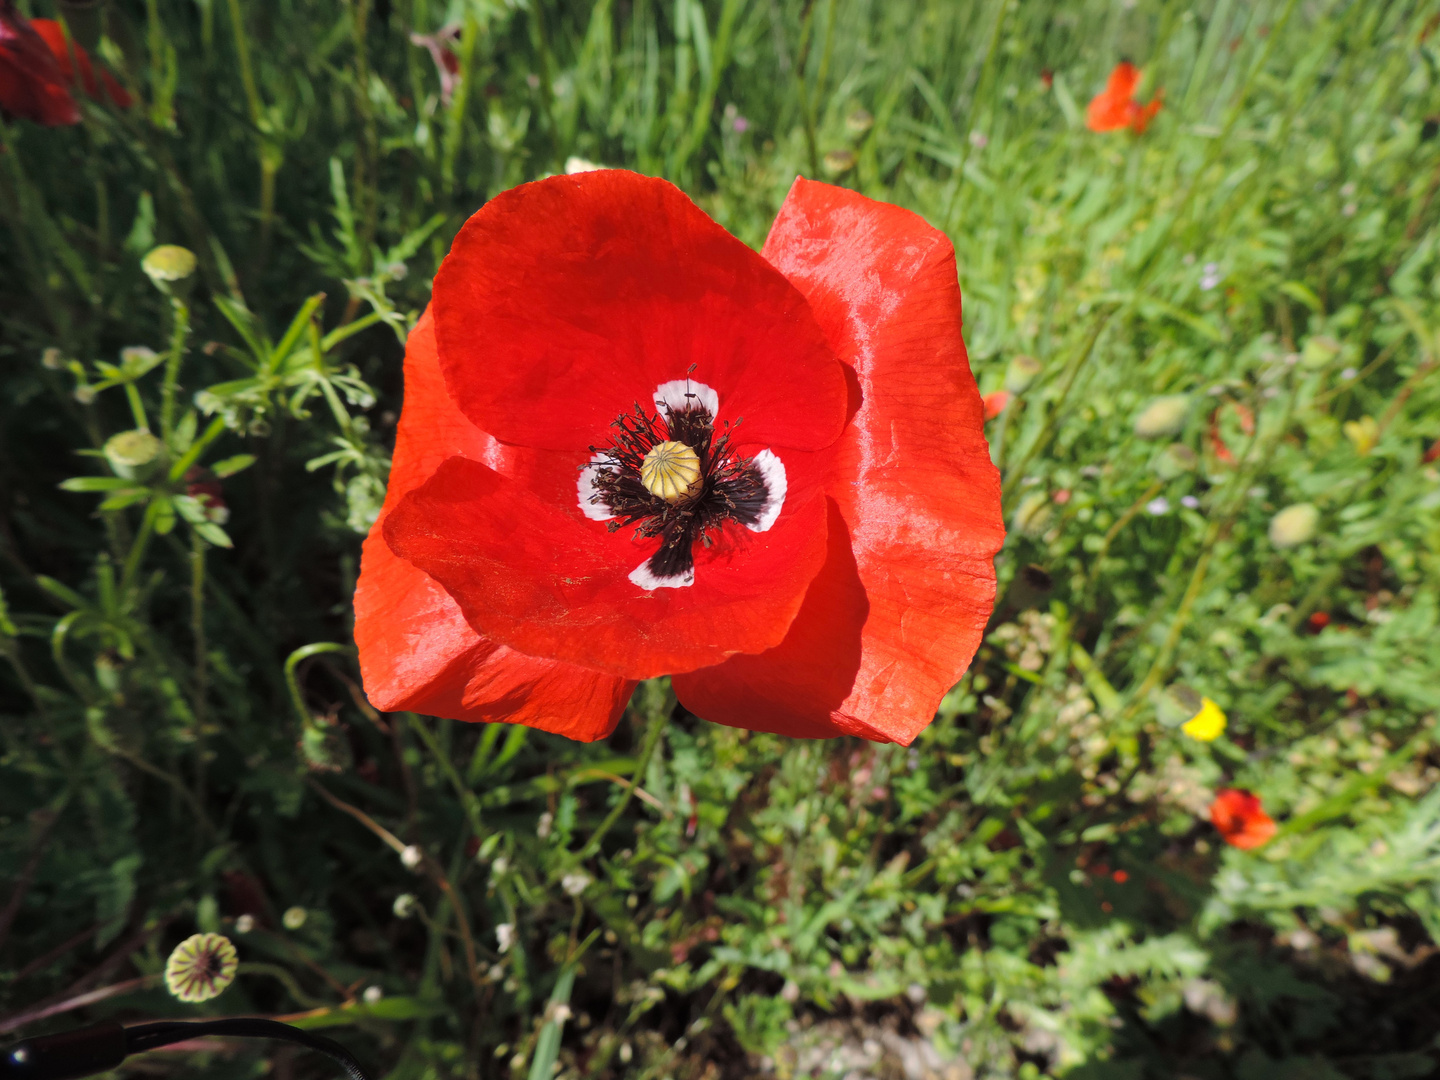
[(99, 1048)]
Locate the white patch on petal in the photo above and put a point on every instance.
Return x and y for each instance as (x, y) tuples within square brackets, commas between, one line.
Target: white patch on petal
[(642, 576), (594, 510), (682, 395), (772, 471)]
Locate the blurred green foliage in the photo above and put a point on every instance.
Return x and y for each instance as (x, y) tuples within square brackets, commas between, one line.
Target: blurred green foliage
[(1233, 314)]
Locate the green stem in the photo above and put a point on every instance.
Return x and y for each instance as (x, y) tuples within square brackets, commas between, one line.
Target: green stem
[(179, 332), (202, 672), (137, 407), (139, 544), (442, 759), (658, 720)]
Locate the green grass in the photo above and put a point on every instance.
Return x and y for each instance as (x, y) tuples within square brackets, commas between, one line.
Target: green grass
[(182, 739)]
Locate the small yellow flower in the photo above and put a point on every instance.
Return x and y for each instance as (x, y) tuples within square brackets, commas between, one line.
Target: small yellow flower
[(1363, 434), (1207, 724), (201, 967)]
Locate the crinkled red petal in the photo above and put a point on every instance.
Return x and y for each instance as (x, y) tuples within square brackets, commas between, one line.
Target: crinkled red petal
[(913, 479), (417, 652), (541, 579), (564, 302), (799, 687)]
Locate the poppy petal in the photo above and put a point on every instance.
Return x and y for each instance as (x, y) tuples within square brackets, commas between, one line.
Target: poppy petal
[(566, 301), (542, 579), (913, 479), (417, 652), (32, 84), (799, 687)]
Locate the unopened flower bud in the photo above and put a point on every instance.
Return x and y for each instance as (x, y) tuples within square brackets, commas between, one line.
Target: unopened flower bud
[(168, 265), (372, 995), (412, 857), (839, 161), (1294, 525), (1319, 350), (244, 923), (294, 918), (52, 359), (404, 905), (1021, 372), (1163, 417), (131, 449), (859, 122)]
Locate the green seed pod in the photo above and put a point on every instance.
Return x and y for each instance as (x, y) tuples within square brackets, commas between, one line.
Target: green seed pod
[(839, 161), (670, 470), (1163, 417), (201, 967), (1294, 525)]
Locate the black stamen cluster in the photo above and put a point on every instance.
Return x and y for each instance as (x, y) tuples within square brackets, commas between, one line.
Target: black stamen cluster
[(730, 487)]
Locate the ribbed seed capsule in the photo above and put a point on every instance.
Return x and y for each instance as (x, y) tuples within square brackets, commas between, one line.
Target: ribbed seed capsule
[(670, 470)]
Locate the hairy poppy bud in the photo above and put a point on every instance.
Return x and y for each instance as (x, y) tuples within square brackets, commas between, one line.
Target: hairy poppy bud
[(1174, 460), (132, 449), (1319, 350), (859, 122), (1021, 372), (1294, 525), (839, 161), (169, 262), (1163, 417)]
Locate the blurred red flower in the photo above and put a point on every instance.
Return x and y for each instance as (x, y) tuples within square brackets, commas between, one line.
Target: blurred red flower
[(995, 403), (1240, 818), (1433, 454), (797, 523), (32, 82), (1319, 620), (1115, 107), (54, 36)]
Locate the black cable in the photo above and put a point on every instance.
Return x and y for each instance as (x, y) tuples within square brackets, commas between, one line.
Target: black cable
[(101, 1047), (163, 1033)]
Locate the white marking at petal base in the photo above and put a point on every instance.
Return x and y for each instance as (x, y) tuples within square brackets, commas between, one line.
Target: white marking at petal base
[(681, 395), (592, 508), (642, 576), (772, 471)]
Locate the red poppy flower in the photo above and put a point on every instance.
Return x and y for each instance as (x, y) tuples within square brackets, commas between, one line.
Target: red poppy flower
[(1240, 819), (62, 47), (995, 403), (632, 446), (1115, 107), (32, 83)]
